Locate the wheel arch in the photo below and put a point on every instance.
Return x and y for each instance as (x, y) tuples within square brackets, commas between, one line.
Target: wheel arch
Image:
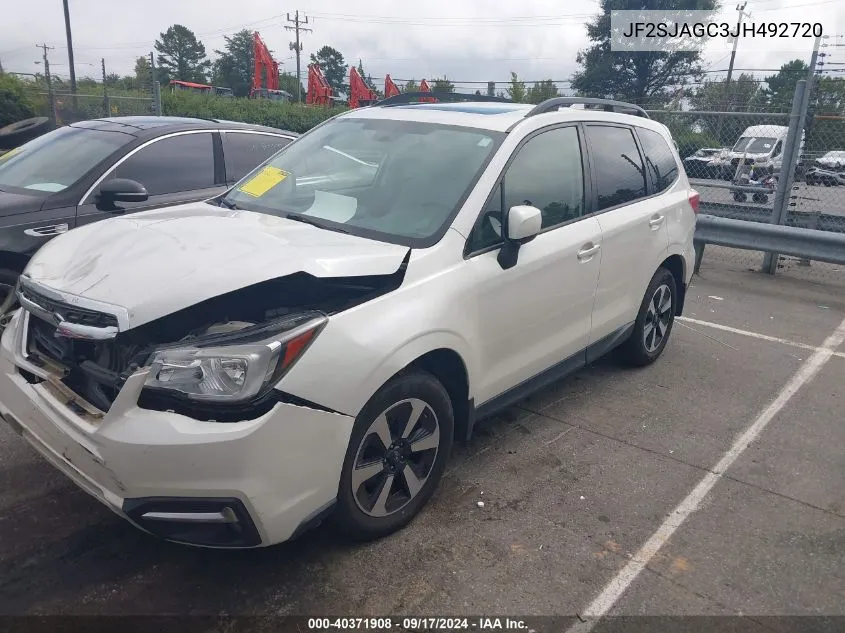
[(676, 265), (449, 368), (448, 358)]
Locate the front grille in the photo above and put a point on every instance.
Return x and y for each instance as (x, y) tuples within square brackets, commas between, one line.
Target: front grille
[(71, 314), (87, 367)]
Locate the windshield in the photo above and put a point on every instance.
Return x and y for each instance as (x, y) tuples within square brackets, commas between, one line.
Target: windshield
[(752, 145), (400, 181), (55, 161)]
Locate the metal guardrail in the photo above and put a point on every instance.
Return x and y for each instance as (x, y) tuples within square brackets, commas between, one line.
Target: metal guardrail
[(721, 184), (755, 213), (812, 244)]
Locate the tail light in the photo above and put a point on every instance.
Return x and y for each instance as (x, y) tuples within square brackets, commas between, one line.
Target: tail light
[(694, 198)]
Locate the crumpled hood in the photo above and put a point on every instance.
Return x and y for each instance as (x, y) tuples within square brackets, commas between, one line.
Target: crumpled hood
[(158, 262)]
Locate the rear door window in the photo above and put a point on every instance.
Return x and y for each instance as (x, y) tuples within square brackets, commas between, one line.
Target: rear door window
[(243, 152), (616, 165)]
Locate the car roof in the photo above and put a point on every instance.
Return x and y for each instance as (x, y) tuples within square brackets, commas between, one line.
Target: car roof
[(157, 125), (494, 116)]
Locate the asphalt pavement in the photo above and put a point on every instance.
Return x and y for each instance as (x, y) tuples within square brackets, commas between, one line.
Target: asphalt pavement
[(575, 481)]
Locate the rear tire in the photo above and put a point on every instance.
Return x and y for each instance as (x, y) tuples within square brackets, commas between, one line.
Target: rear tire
[(402, 439), (654, 321)]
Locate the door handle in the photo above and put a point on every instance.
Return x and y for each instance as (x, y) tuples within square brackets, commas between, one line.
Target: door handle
[(655, 222), (586, 253), (46, 231)]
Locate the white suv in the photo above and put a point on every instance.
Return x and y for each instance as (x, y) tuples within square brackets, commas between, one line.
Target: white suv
[(310, 344)]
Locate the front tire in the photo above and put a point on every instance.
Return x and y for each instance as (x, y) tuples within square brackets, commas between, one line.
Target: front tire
[(654, 321), (397, 453)]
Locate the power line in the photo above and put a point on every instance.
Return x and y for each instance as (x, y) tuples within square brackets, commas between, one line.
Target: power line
[(449, 19)]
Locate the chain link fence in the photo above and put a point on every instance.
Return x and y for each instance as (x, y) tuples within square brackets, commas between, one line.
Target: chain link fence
[(736, 158), (736, 151), (70, 108)]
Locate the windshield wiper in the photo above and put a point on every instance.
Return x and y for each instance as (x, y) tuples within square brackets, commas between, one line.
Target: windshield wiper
[(229, 205), (307, 220)]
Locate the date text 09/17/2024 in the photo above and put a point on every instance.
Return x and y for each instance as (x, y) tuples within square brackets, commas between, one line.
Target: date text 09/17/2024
[(416, 624)]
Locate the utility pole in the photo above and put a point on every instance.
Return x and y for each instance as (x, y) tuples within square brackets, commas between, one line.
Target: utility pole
[(296, 46), (106, 105), (741, 10), (155, 88), (50, 95), (70, 54)]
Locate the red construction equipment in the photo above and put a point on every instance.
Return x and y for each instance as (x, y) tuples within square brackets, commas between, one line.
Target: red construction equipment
[(390, 88), (424, 88), (319, 90), (360, 94), (265, 76)]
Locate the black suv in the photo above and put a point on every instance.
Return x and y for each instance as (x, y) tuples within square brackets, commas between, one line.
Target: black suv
[(76, 174)]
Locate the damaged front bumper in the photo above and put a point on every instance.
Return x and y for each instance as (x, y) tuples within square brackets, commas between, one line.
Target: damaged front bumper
[(239, 484)]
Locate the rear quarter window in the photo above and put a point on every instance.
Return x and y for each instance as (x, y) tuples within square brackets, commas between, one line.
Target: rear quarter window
[(661, 166)]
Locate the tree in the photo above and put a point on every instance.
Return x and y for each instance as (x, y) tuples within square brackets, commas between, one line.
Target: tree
[(143, 73), (780, 88), (367, 78), (643, 77), (411, 86), (112, 79), (333, 66), (829, 95), (442, 85), (516, 90), (744, 94), (181, 56), (15, 102), (541, 91), (287, 82), (128, 82), (235, 65)]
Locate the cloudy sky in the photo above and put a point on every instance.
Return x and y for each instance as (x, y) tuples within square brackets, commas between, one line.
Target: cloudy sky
[(465, 40)]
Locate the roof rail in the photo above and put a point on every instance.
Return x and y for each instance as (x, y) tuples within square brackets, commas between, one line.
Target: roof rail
[(438, 97), (608, 105)]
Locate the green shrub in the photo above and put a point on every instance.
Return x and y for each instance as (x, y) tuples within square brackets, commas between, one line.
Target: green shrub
[(15, 104), (691, 142), (286, 116)]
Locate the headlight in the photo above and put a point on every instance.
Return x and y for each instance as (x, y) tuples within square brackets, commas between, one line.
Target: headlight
[(237, 366)]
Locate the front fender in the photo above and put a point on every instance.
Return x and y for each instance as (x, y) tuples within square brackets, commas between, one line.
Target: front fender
[(342, 370)]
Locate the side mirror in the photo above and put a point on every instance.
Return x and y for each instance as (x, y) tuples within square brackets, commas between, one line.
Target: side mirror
[(121, 190), (523, 223)]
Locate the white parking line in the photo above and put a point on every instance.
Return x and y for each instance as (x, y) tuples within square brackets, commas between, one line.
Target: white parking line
[(757, 335), (614, 590)]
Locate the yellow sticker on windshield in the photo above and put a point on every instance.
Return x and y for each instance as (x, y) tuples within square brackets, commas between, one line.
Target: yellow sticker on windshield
[(10, 153), (263, 181)]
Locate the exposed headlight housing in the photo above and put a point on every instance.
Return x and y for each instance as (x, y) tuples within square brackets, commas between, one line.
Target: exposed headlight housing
[(234, 367)]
